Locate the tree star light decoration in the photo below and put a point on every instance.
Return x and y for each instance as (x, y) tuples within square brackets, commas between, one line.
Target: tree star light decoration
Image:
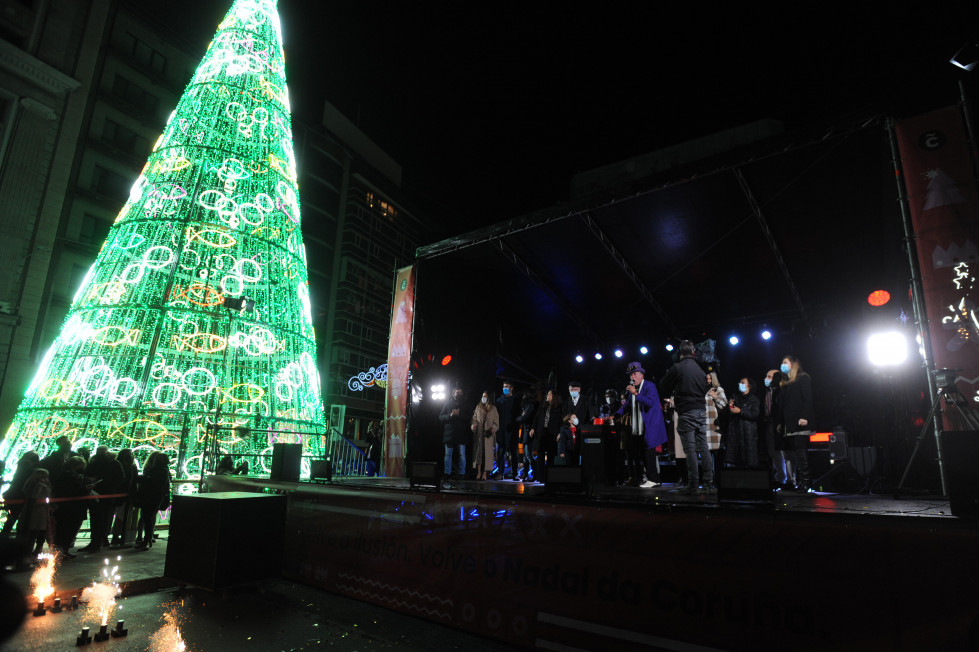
[(148, 357)]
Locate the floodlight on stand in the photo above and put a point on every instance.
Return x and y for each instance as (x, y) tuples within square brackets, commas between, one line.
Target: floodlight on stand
[(967, 57), (887, 349)]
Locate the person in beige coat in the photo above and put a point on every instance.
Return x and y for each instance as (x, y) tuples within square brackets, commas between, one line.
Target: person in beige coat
[(486, 421)]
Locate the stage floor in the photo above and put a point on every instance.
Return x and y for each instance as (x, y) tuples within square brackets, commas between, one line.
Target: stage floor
[(880, 504)]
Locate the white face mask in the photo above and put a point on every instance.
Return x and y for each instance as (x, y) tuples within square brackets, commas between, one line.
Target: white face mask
[(484, 400), (574, 421)]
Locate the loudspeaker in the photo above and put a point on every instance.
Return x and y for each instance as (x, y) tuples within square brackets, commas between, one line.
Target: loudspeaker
[(564, 479), (837, 445), (424, 473), (320, 469), (745, 485), (224, 539), (960, 451), (286, 461)]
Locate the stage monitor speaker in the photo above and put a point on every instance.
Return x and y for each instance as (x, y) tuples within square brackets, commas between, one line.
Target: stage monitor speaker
[(321, 470), (960, 451), (286, 461), (225, 539), (564, 479), (745, 486), (427, 474)]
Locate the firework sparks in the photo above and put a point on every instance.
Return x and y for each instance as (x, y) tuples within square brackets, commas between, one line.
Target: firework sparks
[(42, 579), (101, 596), (167, 638)]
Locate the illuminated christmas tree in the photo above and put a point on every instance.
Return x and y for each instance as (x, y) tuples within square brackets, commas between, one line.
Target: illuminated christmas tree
[(193, 325)]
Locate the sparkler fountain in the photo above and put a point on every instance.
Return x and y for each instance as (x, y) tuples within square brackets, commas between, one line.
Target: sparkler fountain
[(101, 598), (41, 581)]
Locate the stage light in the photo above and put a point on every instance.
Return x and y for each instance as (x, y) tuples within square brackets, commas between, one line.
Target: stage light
[(446, 360), (766, 335), (438, 392), (887, 349), (416, 395), (618, 353), (967, 57), (579, 358), (643, 350), (598, 356), (669, 347), (878, 298), (733, 340)]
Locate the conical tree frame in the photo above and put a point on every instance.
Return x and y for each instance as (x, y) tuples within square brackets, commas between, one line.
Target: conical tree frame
[(192, 329)]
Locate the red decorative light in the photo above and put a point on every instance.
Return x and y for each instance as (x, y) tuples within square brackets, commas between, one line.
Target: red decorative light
[(878, 298), (446, 360)]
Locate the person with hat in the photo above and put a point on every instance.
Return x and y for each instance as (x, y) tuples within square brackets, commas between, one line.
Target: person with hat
[(578, 411), (646, 415)]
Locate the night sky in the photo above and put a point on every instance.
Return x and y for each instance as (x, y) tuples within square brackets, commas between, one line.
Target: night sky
[(491, 108)]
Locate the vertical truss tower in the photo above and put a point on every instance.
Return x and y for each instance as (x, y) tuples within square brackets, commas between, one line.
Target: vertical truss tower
[(192, 331)]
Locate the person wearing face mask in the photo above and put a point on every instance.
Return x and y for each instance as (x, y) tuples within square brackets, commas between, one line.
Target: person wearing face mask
[(454, 433), (507, 438), (544, 433), (796, 410), (773, 439), (485, 423), (580, 412), (646, 417), (717, 416), (742, 433)]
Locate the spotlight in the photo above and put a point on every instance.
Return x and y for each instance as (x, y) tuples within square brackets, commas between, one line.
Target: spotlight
[(967, 57), (618, 353), (766, 335), (887, 349), (438, 392), (579, 358), (733, 340), (643, 350), (598, 356), (669, 347)]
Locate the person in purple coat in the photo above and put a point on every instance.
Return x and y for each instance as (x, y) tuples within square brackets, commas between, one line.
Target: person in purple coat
[(644, 406)]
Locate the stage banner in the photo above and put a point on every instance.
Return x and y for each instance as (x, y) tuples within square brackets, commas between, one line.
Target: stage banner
[(399, 357), (940, 180)]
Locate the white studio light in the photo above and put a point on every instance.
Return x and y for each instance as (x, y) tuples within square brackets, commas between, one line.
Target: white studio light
[(618, 353), (887, 349), (598, 356), (643, 350), (579, 359), (669, 347), (734, 340)]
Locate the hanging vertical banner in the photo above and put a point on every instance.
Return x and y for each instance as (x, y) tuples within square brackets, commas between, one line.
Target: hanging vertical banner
[(940, 181), (399, 357)]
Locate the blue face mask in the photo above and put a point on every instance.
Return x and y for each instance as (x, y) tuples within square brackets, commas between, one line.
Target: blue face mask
[(768, 382), (784, 368), (506, 391), (742, 388), (574, 394)]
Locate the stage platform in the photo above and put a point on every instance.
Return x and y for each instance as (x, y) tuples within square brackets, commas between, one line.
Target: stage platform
[(640, 568)]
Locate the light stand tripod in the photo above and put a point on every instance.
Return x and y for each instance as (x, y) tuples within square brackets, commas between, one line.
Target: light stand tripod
[(967, 420)]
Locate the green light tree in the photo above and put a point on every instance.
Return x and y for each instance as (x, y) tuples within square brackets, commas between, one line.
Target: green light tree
[(162, 347)]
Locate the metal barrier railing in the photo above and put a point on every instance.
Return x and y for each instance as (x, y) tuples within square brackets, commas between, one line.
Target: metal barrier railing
[(347, 458)]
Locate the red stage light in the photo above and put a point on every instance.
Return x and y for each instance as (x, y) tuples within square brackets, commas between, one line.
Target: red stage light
[(878, 298), (446, 360)]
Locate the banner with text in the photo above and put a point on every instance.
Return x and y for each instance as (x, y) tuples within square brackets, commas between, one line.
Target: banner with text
[(940, 180), (399, 358)]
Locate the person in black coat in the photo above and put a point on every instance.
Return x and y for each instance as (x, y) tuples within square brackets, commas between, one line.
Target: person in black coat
[(507, 437), (742, 431), (109, 478), (797, 416), (15, 491), (69, 514), (579, 411), (687, 383), (525, 421), (152, 495), (455, 419), (124, 506), (544, 434)]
